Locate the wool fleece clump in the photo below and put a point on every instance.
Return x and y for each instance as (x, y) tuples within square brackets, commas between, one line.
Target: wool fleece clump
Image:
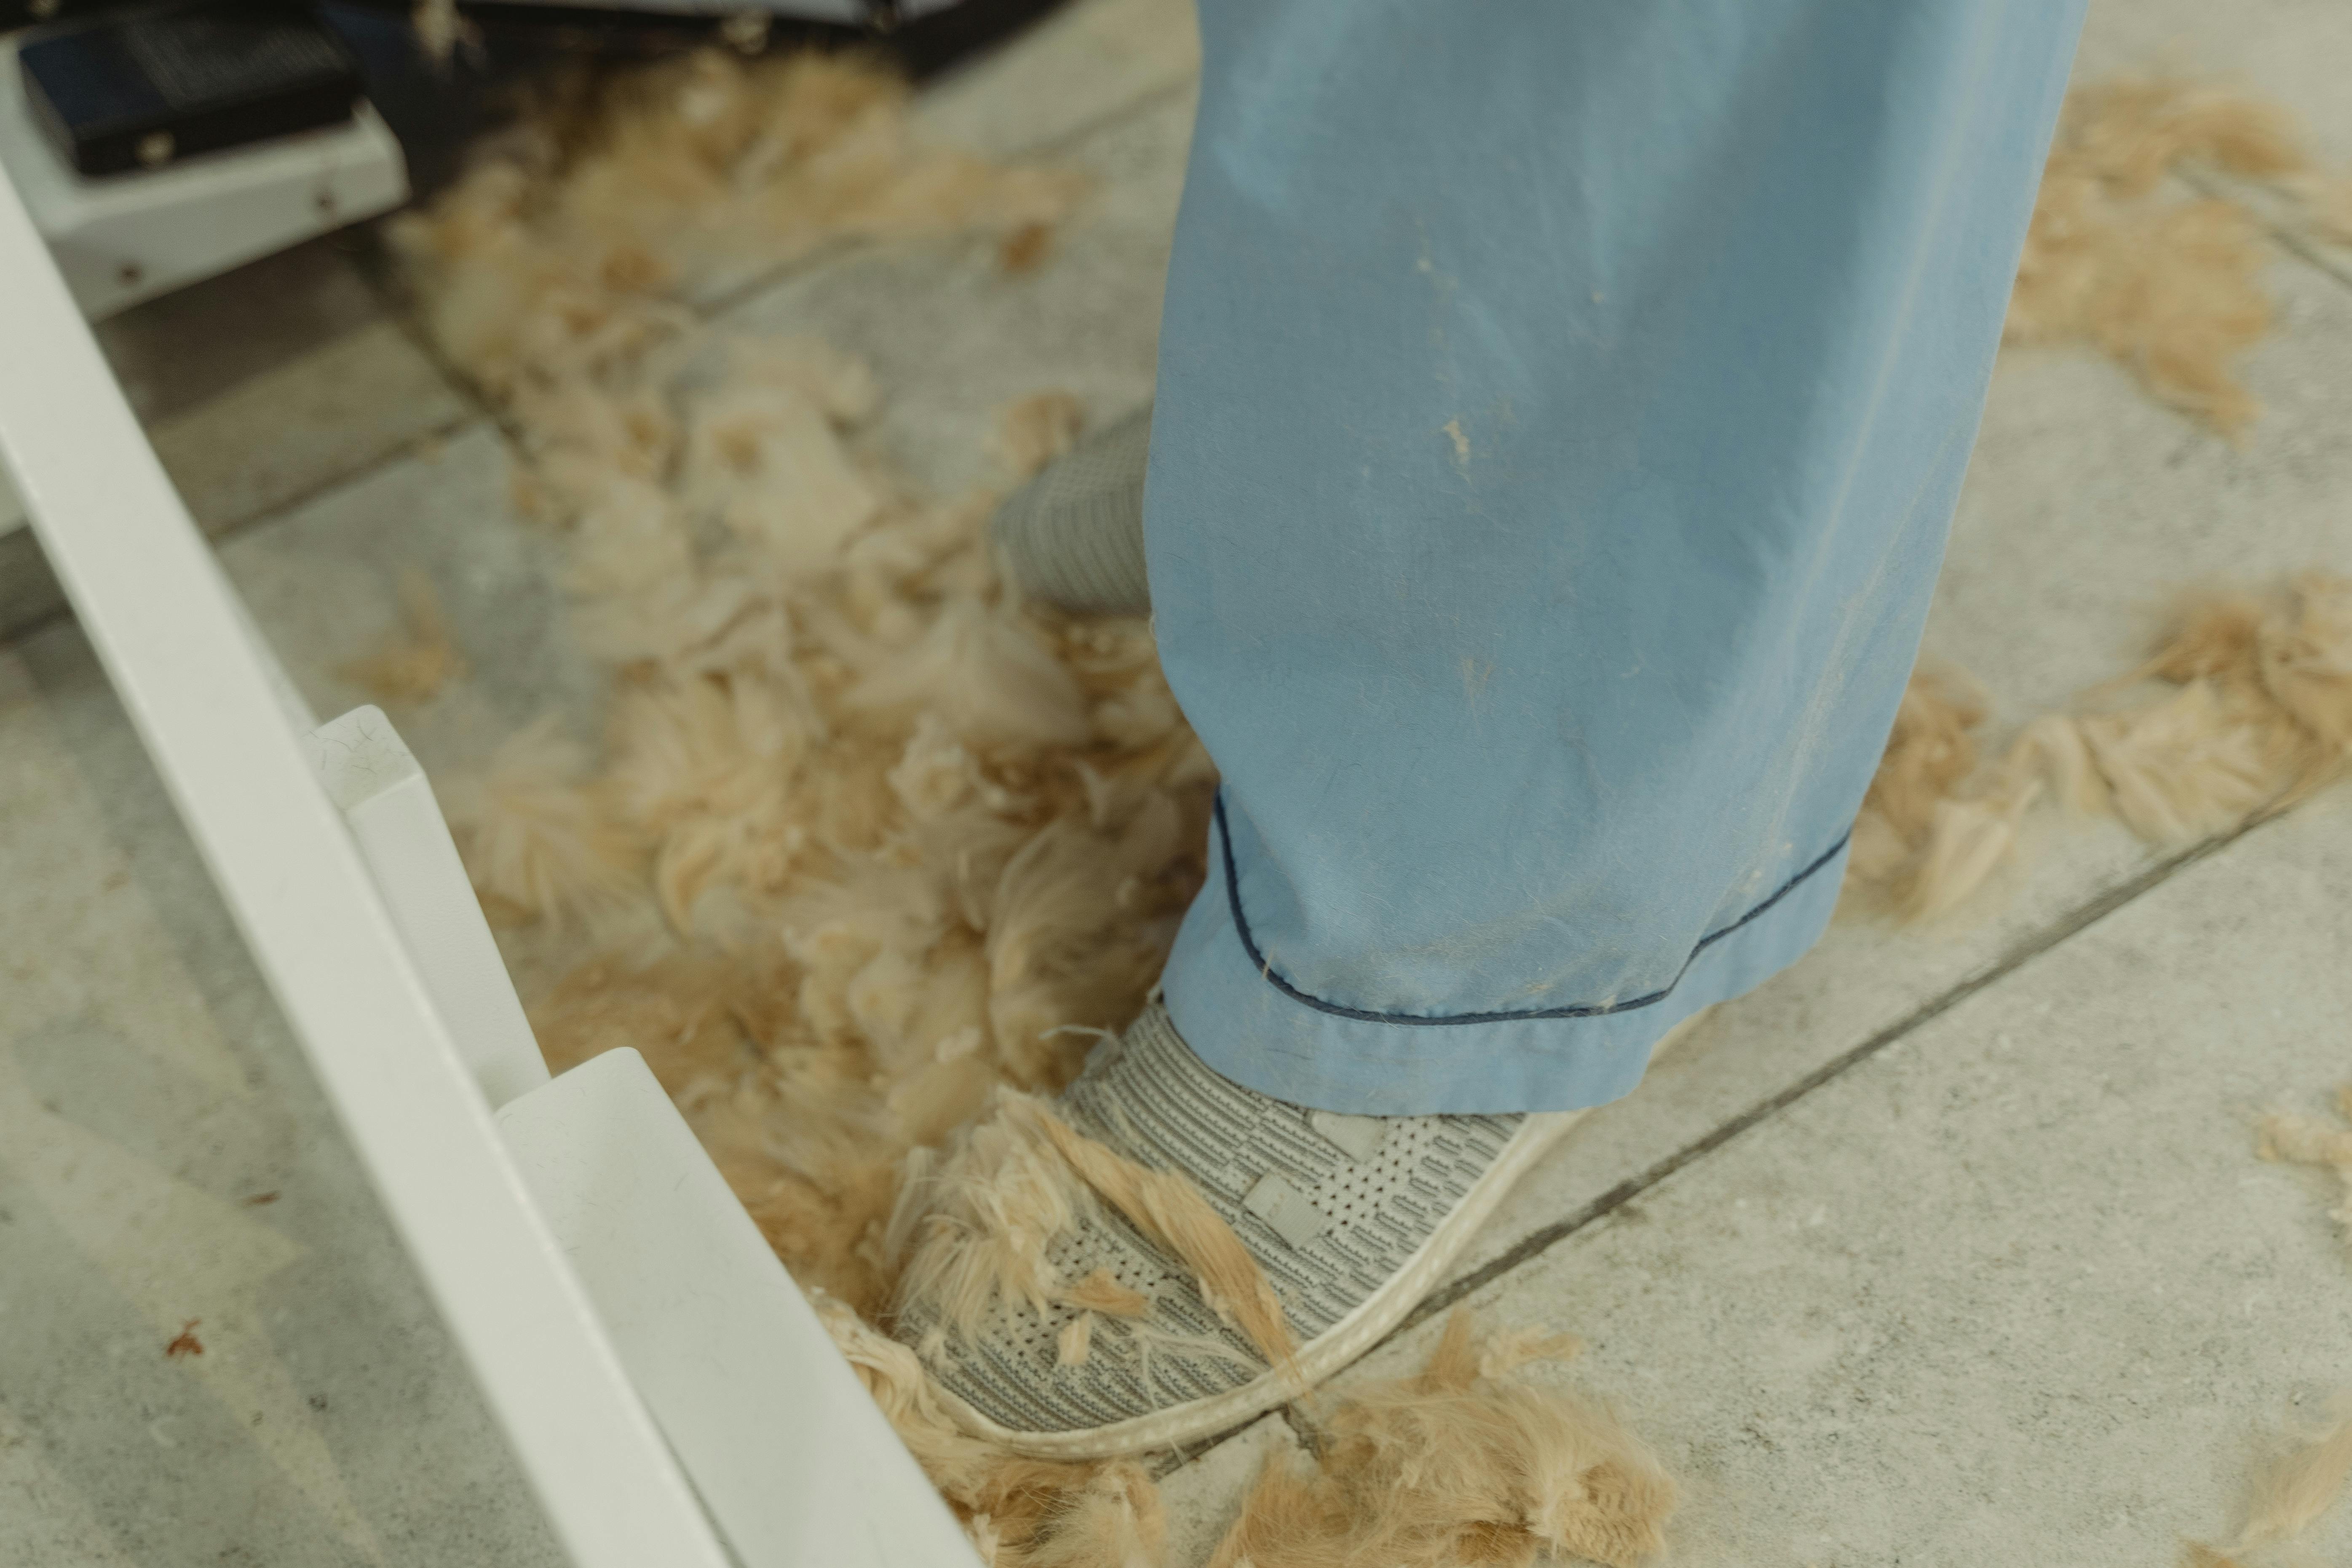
[(1462, 1465), (2162, 278), (1459, 1464), (563, 257), (2290, 1494), (2258, 716), (2304, 1480), (2301, 1483), (414, 662), (2300, 1140)]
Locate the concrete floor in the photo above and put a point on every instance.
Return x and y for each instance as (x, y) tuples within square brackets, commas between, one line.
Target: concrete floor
[(1944, 1247)]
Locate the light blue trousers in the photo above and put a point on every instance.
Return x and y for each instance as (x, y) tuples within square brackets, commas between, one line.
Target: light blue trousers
[(1561, 408)]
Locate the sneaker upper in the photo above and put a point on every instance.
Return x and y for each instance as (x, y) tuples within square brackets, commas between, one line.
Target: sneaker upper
[(1330, 1207)]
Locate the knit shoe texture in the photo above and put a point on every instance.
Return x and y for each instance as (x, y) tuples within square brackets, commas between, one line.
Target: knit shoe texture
[(1353, 1218), (1073, 536)]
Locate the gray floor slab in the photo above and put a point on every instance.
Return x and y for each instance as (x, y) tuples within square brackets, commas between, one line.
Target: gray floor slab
[(322, 580), (259, 387), (2090, 509), (180, 351), (2016, 1289), (285, 433), (166, 1158)]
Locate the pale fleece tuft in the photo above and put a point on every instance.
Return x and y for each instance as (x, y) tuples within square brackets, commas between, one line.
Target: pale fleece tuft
[(539, 839), (2295, 1486), (418, 658), (2258, 718), (2302, 1484), (1456, 1466), (2167, 286), (1020, 1513), (1014, 1183)]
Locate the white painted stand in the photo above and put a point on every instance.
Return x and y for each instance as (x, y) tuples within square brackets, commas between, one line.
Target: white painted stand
[(639, 1345), (397, 824), (789, 1454)]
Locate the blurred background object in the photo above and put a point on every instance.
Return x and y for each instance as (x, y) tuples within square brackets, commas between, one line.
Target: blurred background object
[(157, 145)]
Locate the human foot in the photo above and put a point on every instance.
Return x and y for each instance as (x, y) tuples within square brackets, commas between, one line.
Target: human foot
[(1073, 1299)]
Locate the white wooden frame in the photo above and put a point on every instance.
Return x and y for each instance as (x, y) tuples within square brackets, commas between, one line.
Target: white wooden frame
[(667, 1391)]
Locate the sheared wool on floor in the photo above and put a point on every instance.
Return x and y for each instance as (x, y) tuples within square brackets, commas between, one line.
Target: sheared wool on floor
[(1461, 1465), (864, 846), (2297, 1485), (2164, 279), (1920, 845), (558, 265), (1458, 1466), (2258, 716)]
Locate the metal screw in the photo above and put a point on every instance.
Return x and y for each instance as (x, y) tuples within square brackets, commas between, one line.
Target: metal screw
[(155, 147)]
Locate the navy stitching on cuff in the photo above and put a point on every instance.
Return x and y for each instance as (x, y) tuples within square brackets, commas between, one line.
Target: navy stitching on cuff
[(1266, 969)]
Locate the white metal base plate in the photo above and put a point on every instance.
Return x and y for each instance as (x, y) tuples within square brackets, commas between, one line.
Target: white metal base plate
[(127, 237)]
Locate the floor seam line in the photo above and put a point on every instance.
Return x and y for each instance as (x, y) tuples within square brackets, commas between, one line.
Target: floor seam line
[(2292, 241), (2038, 943), (275, 511), (1303, 1431), (448, 430), (379, 264), (2045, 940)]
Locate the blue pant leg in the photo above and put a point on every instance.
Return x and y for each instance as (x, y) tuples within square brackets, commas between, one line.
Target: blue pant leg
[(1561, 409)]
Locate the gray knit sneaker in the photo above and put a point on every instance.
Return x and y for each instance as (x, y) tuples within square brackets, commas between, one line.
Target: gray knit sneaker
[(1098, 1338), (1073, 536)]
